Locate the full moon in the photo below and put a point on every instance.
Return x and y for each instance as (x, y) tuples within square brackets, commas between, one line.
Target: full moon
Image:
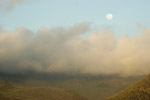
[(109, 16)]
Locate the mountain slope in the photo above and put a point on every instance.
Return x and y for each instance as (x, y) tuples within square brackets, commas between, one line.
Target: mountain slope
[(9, 92), (138, 91), (91, 87)]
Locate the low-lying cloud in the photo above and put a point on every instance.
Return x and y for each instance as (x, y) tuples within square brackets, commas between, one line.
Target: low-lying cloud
[(64, 50)]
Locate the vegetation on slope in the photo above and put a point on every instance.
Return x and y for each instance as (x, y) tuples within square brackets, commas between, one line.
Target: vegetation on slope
[(138, 91), (91, 87), (9, 92)]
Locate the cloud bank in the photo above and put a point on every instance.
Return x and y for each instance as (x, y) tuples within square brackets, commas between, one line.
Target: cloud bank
[(63, 50)]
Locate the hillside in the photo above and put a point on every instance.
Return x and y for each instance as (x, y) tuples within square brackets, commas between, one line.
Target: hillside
[(137, 91), (10, 92), (91, 87)]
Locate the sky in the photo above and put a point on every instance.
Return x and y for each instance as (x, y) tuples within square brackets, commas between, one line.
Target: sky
[(74, 37), (34, 14)]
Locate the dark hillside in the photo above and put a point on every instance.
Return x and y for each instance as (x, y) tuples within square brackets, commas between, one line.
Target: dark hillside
[(137, 91), (10, 92)]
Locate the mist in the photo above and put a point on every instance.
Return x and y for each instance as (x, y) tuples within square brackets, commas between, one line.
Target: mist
[(67, 50)]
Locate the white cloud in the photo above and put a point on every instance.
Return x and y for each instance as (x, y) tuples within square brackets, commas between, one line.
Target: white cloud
[(64, 50)]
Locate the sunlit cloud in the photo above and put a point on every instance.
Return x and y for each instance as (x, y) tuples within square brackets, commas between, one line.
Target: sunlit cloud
[(63, 50)]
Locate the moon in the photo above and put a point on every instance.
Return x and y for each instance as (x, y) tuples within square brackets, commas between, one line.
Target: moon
[(109, 16)]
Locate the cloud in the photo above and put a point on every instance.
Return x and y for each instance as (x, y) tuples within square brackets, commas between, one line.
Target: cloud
[(63, 50), (1, 1), (10, 4)]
